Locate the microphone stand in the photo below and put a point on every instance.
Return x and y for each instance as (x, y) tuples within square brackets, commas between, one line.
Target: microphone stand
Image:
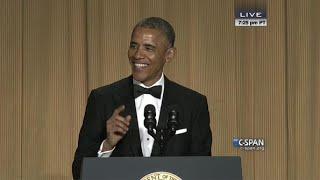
[(165, 134), (163, 139)]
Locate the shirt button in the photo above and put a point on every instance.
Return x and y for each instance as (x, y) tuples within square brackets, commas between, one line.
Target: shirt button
[(147, 139)]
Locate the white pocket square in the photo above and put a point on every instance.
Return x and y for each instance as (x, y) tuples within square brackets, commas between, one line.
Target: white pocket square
[(180, 131)]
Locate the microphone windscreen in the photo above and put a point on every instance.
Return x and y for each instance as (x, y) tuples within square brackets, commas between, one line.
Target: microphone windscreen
[(150, 118), (149, 109)]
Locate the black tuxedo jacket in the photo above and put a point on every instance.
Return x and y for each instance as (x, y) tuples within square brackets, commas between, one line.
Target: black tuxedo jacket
[(193, 115)]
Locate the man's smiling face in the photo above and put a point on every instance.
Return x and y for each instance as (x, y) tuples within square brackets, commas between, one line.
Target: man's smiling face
[(148, 52)]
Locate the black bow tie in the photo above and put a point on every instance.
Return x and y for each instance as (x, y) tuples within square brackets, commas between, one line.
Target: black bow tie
[(155, 91)]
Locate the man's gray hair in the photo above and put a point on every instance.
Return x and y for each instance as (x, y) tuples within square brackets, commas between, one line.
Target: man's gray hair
[(160, 24)]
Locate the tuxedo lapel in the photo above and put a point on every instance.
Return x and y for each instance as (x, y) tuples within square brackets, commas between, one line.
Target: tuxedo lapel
[(125, 97), (167, 100)]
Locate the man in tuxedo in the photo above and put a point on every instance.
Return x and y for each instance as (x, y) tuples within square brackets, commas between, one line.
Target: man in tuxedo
[(113, 124)]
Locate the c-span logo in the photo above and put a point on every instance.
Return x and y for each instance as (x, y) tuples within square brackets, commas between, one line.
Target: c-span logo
[(250, 18), (249, 144), (161, 176)]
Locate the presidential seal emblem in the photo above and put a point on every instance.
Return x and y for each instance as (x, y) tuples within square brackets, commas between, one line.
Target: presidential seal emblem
[(161, 176)]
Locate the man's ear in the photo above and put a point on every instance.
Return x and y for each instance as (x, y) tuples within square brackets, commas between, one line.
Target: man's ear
[(170, 54)]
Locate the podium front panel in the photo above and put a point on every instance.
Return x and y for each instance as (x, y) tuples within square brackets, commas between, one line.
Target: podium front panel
[(186, 168)]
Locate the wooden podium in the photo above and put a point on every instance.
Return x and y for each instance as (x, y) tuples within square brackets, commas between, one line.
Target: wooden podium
[(162, 168)]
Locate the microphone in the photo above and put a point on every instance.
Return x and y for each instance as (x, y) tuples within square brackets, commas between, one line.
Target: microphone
[(173, 121), (150, 119)]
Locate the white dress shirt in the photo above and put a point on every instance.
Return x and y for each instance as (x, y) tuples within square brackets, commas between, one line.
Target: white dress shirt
[(140, 102)]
